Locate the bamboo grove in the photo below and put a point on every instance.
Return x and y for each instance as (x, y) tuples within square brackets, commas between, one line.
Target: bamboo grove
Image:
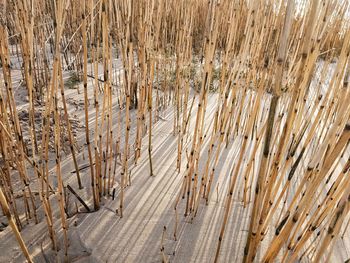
[(279, 72)]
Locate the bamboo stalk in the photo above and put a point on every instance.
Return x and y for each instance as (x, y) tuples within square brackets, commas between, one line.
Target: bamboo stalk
[(87, 132), (18, 236)]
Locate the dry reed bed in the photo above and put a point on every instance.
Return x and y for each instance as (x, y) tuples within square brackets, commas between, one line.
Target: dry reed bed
[(261, 58)]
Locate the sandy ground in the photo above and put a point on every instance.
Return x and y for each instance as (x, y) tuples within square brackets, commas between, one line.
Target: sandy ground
[(103, 236)]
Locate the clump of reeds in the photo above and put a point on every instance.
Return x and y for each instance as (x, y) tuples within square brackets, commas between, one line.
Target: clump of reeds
[(279, 73)]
